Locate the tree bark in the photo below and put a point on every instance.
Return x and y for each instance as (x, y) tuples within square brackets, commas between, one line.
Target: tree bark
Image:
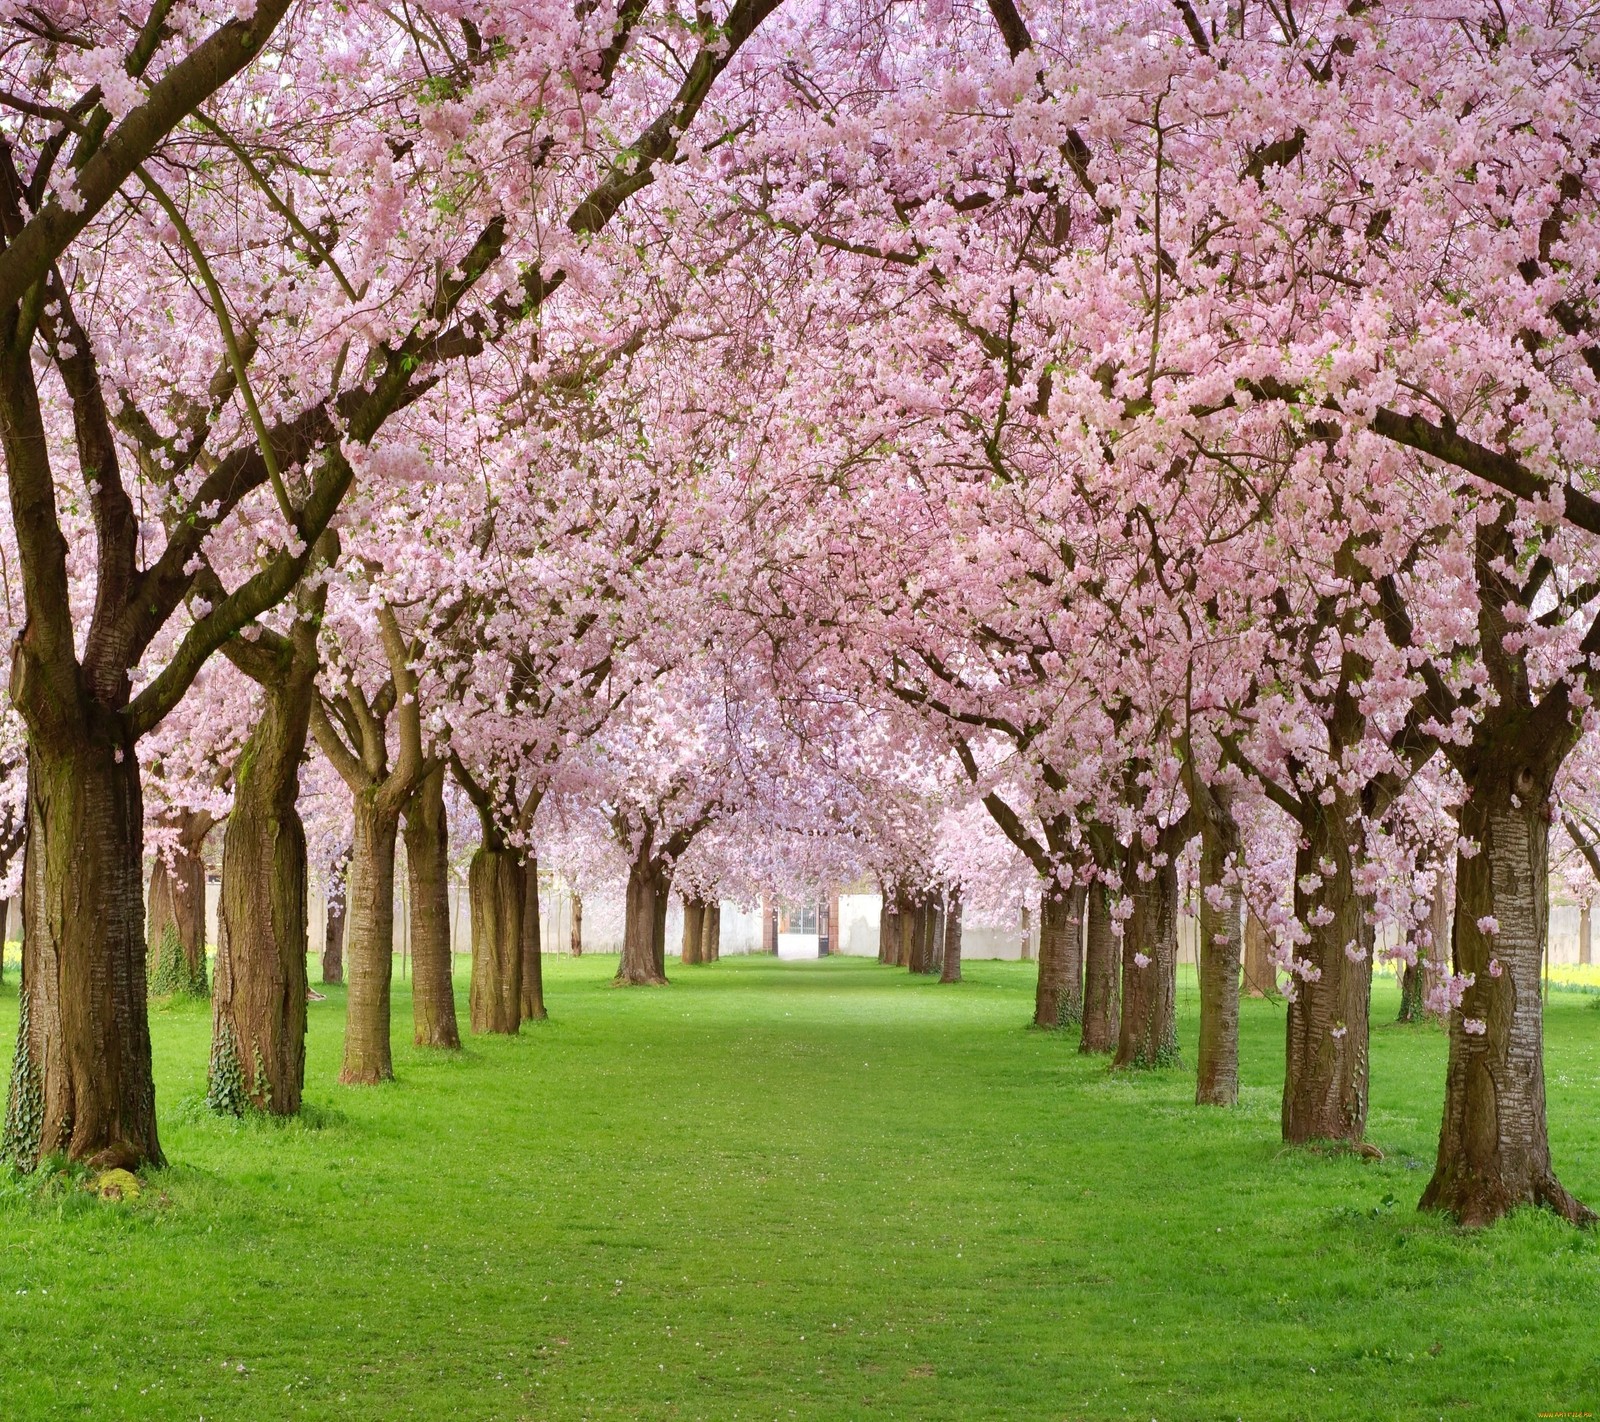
[(1494, 1144), (1325, 1068), (951, 973), (1411, 991), (1585, 937), (81, 1080), (638, 966), (258, 1027), (533, 1009), (496, 885), (1441, 917), (369, 895), (175, 932), (1100, 998), (934, 960), (1027, 936), (433, 999), (333, 930), (887, 926), (694, 917), (1260, 976), (1148, 1033), (711, 931), (577, 924), (1218, 959), (1058, 995)]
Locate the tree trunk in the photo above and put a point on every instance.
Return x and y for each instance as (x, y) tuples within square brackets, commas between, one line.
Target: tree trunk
[(1260, 976), (81, 1079), (258, 1022), (1100, 997), (1411, 990), (1148, 1033), (175, 933), (1027, 936), (433, 998), (887, 926), (333, 932), (533, 1009), (638, 967), (1058, 995), (1218, 959), (369, 895), (934, 961), (711, 931), (497, 889), (577, 924), (1325, 1068), (1441, 916), (1585, 937), (658, 925), (951, 972), (694, 917), (1494, 1144)]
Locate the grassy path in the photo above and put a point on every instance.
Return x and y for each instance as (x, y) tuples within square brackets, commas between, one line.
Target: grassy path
[(798, 1190)]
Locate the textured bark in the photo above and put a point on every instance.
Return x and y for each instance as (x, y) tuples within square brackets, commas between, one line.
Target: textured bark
[(1260, 976), (258, 1027), (1585, 937), (886, 929), (1441, 916), (333, 930), (1220, 949), (638, 966), (496, 887), (951, 972), (175, 924), (577, 924), (1058, 995), (694, 917), (533, 1009), (1027, 935), (1410, 993), (369, 896), (1494, 1145), (1148, 1032), (433, 999), (81, 1080), (711, 931), (1100, 997), (1325, 1068)]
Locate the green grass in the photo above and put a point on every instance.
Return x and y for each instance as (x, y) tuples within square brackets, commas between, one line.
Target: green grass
[(811, 1191)]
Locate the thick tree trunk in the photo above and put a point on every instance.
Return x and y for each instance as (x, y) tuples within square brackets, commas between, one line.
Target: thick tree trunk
[(1218, 959), (533, 1009), (638, 967), (369, 895), (1325, 1068), (1100, 999), (81, 1080), (887, 926), (694, 918), (1027, 935), (497, 888), (1260, 976), (258, 1025), (175, 931), (658, 926), (1058, 996), (711, 931), (1494, 1144), (577, 924), (1585, 937), (951, 972), (1148, 1033), (433, 998)]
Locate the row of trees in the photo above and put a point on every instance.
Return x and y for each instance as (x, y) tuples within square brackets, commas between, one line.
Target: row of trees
[(1106, 449)]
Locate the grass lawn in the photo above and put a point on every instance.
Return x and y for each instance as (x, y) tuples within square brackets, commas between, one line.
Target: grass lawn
[(797, 1190)]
